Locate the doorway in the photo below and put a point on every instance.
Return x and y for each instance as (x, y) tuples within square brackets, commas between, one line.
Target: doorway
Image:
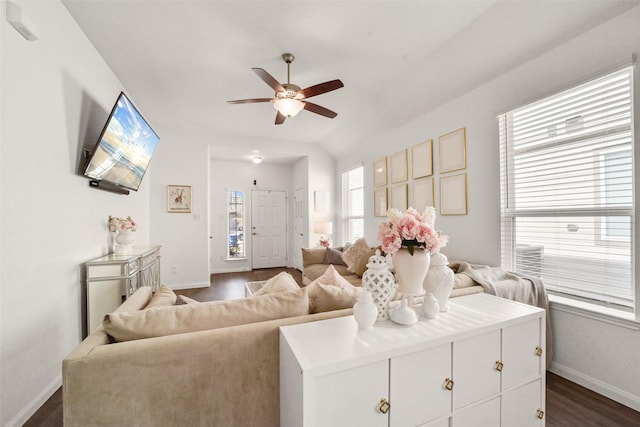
[(268, 229)]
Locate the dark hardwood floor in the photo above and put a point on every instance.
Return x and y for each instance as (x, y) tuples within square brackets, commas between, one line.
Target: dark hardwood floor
[(567, 404)]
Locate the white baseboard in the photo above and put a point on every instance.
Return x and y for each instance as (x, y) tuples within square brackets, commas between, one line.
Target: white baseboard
[(230, 270), (596, 385), (32, 407)]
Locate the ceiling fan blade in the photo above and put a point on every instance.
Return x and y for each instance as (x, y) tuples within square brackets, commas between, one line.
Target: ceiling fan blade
[(280, 118), (315, 108), (268, 79), (248, 101), (321, 88)]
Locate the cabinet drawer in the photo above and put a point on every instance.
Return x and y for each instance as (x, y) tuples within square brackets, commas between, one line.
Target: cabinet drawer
[(523, 407), (521, 361), (351, 398), (417, 388)]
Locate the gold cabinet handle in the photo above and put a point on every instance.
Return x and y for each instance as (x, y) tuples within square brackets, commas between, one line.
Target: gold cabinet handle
[(538, 351), (448, 383), (540, 414), (384, 406), (499, 366)]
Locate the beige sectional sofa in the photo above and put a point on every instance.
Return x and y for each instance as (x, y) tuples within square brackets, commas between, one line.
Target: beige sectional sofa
[(199, 364), (227, 376)]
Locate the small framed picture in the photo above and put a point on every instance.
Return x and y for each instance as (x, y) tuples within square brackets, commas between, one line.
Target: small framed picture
[(422, 194), (422, 159), (380, 172), (399, 197), (380, 201), (179, 198), (453, 195), (399, 166), (453, 151)]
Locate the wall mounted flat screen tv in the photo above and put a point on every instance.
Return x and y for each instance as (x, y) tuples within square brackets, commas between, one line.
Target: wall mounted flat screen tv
[(123, 152)]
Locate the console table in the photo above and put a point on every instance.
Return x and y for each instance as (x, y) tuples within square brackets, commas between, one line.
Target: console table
[(480, 364), (112, 277)]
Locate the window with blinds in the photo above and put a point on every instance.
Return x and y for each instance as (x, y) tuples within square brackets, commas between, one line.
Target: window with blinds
[(567, 205), (353, 204)]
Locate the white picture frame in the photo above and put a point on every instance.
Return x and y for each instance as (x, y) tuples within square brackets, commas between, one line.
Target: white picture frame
[(178, 198), (321, 201), (452, 151), (453, 195)]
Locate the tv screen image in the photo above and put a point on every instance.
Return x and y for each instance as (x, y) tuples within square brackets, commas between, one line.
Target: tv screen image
[(124, 148)]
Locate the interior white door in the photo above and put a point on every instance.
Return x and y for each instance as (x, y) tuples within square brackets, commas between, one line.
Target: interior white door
[(298, 228), (268, 229)]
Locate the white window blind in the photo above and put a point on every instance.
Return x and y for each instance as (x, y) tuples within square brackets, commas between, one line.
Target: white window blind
[(567, 205), (353, 204)]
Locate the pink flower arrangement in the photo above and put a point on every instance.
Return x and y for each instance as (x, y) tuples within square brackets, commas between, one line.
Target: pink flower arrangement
[(121, 224), (410, 229)]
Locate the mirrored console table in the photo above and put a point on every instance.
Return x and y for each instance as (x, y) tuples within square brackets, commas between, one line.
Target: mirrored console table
[(111, 278)]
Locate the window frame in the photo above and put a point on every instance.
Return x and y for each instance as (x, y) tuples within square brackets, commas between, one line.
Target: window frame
[(510, 212), (243, 255), (347, 215)]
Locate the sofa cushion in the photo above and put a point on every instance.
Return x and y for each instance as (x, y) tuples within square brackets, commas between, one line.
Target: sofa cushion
[(361, 267), (163, 297), (312, 256), (329, 297), (313, 271), (333, 256), (178, 319), (353, 254), (281, 282)]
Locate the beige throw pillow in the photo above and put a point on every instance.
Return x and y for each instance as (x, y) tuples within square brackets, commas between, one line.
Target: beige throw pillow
[(180, 319), (353, 254), (281, 282), (163, 297), (331, 278), (361, 267), (328, 297)]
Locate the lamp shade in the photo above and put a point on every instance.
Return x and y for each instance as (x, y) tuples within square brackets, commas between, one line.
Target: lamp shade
[(323, 227), (288, 107)]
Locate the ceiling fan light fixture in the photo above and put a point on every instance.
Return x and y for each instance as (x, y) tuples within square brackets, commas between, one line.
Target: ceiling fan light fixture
[(288, 107), (257, 160)]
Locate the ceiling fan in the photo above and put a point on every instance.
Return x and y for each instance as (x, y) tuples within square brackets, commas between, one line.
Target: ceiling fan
[(289, 99)]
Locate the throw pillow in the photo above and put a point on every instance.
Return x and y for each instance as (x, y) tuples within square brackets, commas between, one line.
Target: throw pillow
[(353, 254), (204, 316), (328, 298), (163, 297), (330, 277), (312, 256), (361, 267), (281, 282), (182, 300), (333, 256)]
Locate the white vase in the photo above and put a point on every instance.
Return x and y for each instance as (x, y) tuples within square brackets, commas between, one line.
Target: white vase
[(430, 307), (380, 282), (124, 240), (365, 311), (439, 280), (411, 270)]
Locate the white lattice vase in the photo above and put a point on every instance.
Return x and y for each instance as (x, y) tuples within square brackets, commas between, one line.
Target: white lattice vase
[(439, 280), (380, 282)]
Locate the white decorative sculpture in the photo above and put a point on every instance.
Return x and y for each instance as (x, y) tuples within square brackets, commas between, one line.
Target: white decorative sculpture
[(439, 280), (380, 282)]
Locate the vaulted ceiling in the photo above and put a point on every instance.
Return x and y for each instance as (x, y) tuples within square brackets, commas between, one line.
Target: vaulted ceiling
[(180, 61)]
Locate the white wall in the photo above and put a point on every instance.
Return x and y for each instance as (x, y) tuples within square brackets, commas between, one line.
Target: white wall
[(183, 236), (610, 364), (231, 176), (56, 94)]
